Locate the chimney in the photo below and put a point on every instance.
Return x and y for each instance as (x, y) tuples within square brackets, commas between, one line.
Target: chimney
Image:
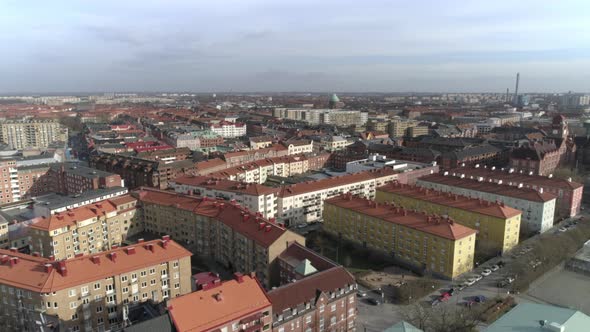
[(52, 258), (164, 244), (114, 257), (63, 269), (13, 249), (260, 226), (166, 237), (114, 246), (267, 229), (541, 190), (130, 250), (36, 254), (218, 297), (95, 259), (48, 268), (239, 277), (140, 240), (13, 261), (78, 255), (150, 247)]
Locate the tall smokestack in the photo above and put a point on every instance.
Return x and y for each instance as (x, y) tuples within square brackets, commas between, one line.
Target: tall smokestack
[(516, 88), (507, 95)]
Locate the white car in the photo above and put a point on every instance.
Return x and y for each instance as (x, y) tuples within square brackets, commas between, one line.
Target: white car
[(486, 272), (477, 277), (470, 281), (562, 229), (495, 267)]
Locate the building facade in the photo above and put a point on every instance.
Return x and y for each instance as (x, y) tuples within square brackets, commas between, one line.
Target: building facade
[(427, 242), (91, 293), (538, 208), (498, 225), (21, 134)]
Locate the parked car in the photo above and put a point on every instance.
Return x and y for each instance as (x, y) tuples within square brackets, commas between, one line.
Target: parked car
[(462, 287), (373, 301), (509, 280), (445, 297), (361, 293), (486, 272), (562, 229), (435, 302), (470, 281), (479, 298), (501, 264), (495, 267), (477, 277)]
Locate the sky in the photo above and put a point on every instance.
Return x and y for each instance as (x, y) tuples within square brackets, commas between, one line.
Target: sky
[(294, 45)]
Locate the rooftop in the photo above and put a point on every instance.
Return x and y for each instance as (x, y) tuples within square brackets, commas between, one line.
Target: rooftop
[(452, 200), (57, 201), (42, 275), (527, 317), (436, 225), (225, 185), (489, 187), (306, 290), (511, 175), (243, 221), (311, 186), (205, 310)]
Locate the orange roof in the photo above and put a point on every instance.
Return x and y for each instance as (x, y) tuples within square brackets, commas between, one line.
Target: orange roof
[(250, 224), (493, 188), (73, 216), (30, 272), (432, 224), (205, 310), (122, 200), (452, 200), (516, 178)]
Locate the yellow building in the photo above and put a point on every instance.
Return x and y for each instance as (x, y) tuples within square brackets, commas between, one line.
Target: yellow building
[(429, 242), (498, 225)]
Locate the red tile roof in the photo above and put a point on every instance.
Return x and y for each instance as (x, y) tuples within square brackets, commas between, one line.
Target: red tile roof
[(243, 221), (432, 224), (205, 310), (306, 290), (493, 209), (30, 272), (493, 188), (515, 178), (74, 216)]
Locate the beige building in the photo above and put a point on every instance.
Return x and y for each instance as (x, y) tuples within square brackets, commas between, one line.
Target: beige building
[(335, 143), (21, 134), (239, 239), (90, 293), (399, 127), (87, 229)]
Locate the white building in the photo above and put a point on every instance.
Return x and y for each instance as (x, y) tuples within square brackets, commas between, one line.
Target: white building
[(298, 146), (335, 143), (538, 207), (255, 197), (228, 129), (304, 202)]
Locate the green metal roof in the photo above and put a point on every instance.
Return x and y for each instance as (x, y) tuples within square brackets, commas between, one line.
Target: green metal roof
[(305, 268), (403, 326), (334, 98), (526, 317)]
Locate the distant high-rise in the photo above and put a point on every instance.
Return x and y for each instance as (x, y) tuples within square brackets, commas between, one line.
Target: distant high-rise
[(516, 88), (21, 134)]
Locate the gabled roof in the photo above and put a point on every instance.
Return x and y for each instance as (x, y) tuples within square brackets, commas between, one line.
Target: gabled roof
[(307, 289), (74, 216), (205, 310), (432, 224), (30, 272)]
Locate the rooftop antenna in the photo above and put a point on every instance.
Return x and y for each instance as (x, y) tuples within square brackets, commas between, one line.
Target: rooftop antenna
[(516, 88)]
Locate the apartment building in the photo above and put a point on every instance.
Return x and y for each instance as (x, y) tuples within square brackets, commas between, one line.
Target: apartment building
[(498, 225), (9, 182), (335, 143), (228, 129), (87, 229), (298, 146), (399, 127), (242, 157), (239, 304), (538, 207), (303, 202), (255, 197), (230, 234), (430, 243), (323, 301), (569, 193), (46, 205), (260, 142), (90, 293), (36, 133)]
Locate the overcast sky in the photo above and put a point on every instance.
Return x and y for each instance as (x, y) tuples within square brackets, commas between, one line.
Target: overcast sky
[(294, 45)]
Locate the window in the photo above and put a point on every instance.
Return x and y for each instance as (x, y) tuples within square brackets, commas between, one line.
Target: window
[(123, 278), (125, 289), (144, 284), (152, 271), (99, 309), (134, 277), (322, 308), (73, 305), (72, 292), (100, 321), (143, 273), (333, 308), (84, 290), (175, 264), (75, 316), (153, 282), (308, 319), (97, 285)]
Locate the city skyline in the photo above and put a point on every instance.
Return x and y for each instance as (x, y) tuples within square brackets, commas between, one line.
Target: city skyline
[(257, 46)]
